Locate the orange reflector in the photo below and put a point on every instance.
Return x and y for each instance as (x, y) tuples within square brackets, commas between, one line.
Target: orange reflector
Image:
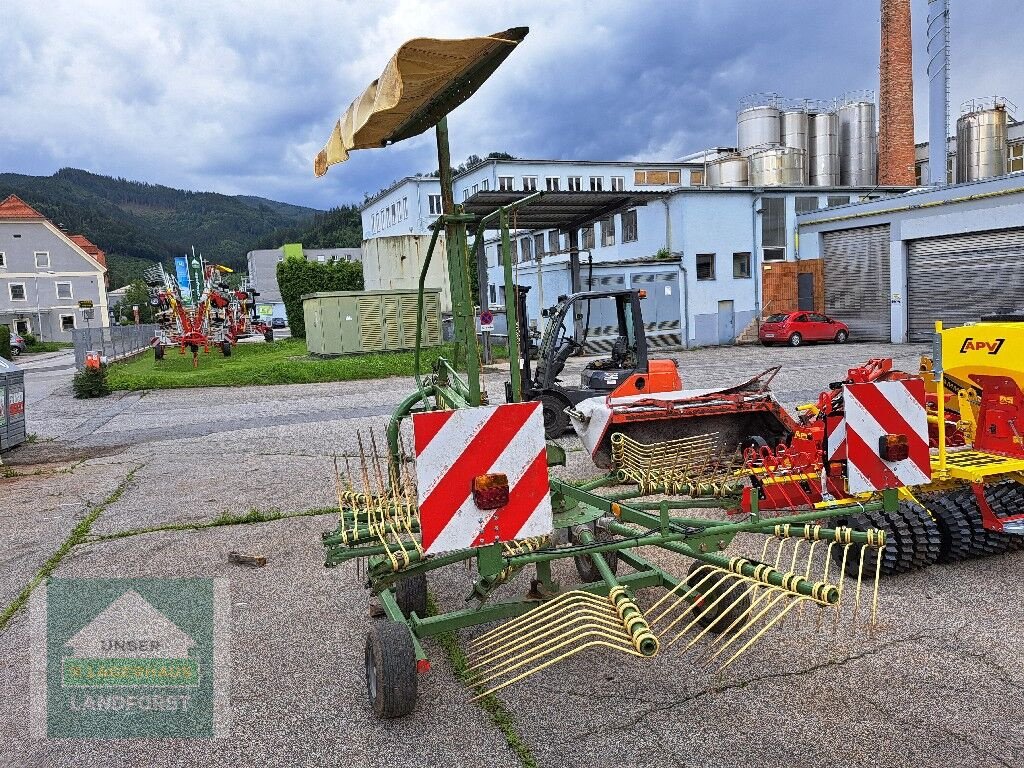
[(490, 491), (835, 469), (422, 666), (642, 293), (893, 447)]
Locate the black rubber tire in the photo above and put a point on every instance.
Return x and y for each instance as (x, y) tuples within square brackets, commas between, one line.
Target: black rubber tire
[(1006, 500), (15, 351), (158, 352), (268, 336), (724, 614), (982, 542), (411, 595), (390, 670), (585, 567), (194, 349), (841, 337), (896, 557), (225, 348), (925, 533), (954, 527), (556, 420), (796, 340)]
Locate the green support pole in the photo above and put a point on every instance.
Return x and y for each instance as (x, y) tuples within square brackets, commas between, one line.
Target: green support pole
[(511, 310)]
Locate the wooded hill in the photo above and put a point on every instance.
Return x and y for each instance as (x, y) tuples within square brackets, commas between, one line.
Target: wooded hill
[(138, 224)]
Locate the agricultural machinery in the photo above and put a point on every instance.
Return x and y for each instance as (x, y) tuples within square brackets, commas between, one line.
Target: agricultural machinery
[(473, 484), (217, 315)]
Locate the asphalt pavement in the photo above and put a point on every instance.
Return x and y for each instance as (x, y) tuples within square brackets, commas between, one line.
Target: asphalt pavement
[(939, 685)]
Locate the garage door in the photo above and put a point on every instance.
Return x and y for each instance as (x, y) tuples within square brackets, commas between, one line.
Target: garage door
[(957, 279), (857, 280), (661, 308)]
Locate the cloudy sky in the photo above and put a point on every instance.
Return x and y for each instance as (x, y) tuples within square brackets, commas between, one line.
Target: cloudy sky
[(237, 97)]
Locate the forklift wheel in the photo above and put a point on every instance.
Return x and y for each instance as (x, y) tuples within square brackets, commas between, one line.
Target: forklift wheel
[(556, 421), (390, 669)]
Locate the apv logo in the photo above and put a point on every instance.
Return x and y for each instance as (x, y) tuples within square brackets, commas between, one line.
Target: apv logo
[(992, 347)]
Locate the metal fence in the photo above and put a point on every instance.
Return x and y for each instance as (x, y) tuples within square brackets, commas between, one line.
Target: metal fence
[(114, 343)]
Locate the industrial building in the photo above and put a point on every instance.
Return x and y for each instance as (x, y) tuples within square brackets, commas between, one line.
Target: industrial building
[(262, 272)]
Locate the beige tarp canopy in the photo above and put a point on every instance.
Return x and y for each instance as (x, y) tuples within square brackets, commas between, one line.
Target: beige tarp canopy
[(424, 81)]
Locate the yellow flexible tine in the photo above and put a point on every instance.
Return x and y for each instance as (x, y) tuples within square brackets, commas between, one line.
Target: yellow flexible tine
[(724, 613), (479, 657), (616, 642), (743, 620), (550, 636), (724, 643), (759, 635), (705, 609), (691, 606), (860, 579), (592, 644), (541, 610), (874, 596), (690, 590)]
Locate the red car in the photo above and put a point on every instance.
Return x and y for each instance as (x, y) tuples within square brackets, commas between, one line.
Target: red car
[(795, 328)]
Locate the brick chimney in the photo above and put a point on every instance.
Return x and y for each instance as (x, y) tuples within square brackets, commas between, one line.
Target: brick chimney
[(896, 97)]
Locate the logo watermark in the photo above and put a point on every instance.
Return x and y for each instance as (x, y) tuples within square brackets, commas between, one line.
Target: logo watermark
[(130, 658)]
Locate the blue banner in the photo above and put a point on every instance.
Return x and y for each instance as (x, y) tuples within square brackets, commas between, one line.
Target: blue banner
[(181, 272)]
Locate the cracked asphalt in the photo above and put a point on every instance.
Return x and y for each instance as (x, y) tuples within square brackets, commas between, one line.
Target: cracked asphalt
[(940, 684)]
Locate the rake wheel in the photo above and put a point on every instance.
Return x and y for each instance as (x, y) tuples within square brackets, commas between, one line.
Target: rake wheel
[(722, 616), (982, 542), (411, 595), (927, 541), (390, 670), (1007, 499), (895, 554), (585, 567), (954, 527)]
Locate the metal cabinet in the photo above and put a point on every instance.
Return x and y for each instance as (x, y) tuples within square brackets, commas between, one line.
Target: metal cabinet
[(348, 322), (12, 405)]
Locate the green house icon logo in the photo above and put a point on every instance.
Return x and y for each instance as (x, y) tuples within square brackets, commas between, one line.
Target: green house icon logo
[(130, 644)]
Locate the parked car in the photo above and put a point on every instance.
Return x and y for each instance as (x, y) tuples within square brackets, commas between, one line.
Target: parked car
[(278, 322), (796, 328), (18, 344)]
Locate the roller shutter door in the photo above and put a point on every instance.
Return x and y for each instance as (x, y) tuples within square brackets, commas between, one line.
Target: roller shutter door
[(958, 278), (857, 280)]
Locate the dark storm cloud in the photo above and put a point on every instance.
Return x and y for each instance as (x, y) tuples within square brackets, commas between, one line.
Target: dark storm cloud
[(239, 97)]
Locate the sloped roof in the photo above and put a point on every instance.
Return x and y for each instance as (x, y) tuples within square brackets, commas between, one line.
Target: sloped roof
[(16, 208), (90, 247)]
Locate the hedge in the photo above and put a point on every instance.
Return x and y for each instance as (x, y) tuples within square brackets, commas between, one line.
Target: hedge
[(297, 277), (5, 342)]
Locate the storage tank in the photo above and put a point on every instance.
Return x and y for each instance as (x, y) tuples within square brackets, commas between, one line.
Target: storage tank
[(794, 127), (778, 167), (756, 126), (858, 144), (823, 154), (981, 142), (730, 171)]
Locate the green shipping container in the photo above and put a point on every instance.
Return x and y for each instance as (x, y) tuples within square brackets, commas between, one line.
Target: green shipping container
[(349, 322)]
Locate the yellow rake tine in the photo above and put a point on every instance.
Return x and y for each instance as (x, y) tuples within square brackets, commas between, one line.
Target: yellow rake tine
[(860, 580), (706, 609), (874, 597), (746, 617), (682, 583), (692, 606), (764, 629), (592, 644), (524, 628), (520, 642), (732, 605), (534, 614), (729, 641)]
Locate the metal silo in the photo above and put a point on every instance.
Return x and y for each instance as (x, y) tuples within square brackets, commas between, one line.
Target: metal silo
[(728, 171), (981, 140), (777, 167), (858, 144), (823, 156), (794, 125), (757, 121)]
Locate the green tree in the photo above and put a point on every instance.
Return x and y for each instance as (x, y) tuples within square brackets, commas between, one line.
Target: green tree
[(297, 277), (136, 295)]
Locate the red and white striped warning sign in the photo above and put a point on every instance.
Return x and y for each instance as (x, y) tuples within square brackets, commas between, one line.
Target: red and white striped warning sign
[(873, 411), (453, 447)]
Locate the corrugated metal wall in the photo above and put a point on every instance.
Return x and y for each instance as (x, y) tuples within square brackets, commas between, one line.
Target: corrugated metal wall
[(958, 278), (857, 280)]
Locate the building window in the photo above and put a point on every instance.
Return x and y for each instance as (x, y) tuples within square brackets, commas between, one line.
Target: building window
[(501, 295), (405, 208), (67, 322), (551, 183), (465, 194), (64, 291), (575, 183), (493, 293), (806, 204), (485, 185), (773, 254), (554, 242), (919, 173), (42, 259), (1014, 160), (629, 226), (476, 188), (696, 178), (618, 183), (434, 204), (525, 249), (17, 291), (22, 327), (3, 259), (529, 183), (773, 227), (505, 183), (596, 183), (589, 242), (655, 176), (741, 265), (834, 200), (608, 231), (950, 168), (705, 266), (538, 244)]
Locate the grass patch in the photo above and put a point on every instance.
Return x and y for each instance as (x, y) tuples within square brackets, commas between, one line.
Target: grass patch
[(283, 362), (253, 516), (496, 711), (47, 346), (77, 536)]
